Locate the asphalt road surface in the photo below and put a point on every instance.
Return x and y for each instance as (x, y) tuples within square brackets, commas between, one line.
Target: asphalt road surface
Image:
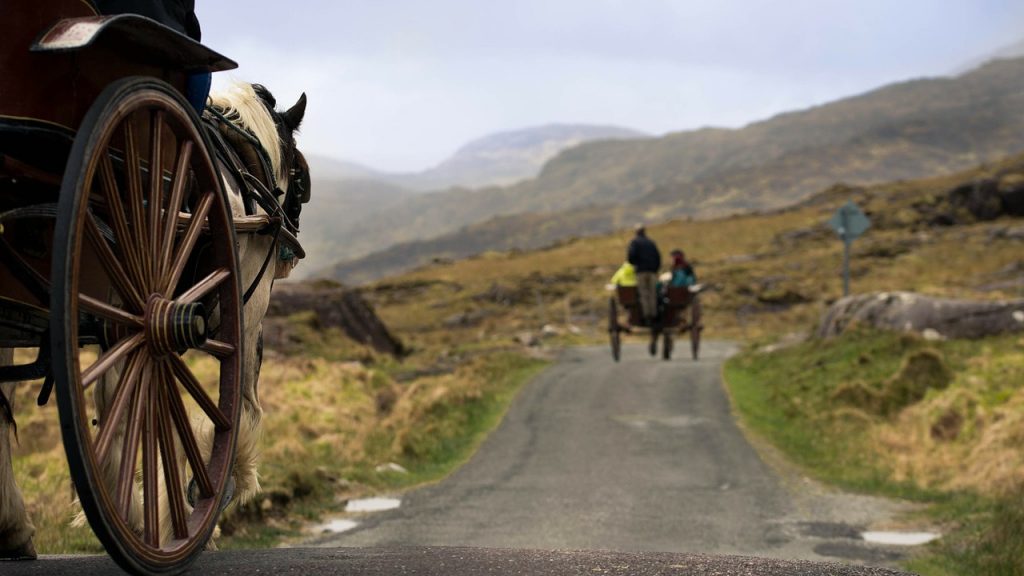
[(642, 458), (643, 455)]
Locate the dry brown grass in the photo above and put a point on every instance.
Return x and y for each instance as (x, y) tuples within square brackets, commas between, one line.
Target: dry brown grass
[(967, 437)]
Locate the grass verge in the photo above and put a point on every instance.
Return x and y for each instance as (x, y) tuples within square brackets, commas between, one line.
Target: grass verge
[(899, 416), (428, 426)]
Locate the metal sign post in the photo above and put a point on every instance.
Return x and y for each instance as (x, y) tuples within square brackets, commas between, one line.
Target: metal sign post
[(849, 222)]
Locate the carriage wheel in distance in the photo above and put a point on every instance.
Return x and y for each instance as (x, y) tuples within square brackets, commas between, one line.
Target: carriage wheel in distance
[(144, 250), (613, 329), (695, 326), (666, 346)]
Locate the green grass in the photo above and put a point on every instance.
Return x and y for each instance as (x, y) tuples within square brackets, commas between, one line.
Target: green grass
[(988, 538), (798, 399)]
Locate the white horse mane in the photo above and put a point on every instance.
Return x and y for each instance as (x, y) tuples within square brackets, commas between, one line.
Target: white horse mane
[(241, 105)]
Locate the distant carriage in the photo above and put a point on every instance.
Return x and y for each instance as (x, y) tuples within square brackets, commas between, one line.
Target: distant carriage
[(680, 314), (119, 261)]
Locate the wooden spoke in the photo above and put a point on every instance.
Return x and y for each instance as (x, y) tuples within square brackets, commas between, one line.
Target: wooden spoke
[(156, 185), (118, 277), (148, 222), (195, 389), (126, 387), (133, 175), (217, 348), (188, 441), (125, 239), (169, 457), (130, 449), (181, 178), (106, 361), (150, 480), (188, 243), (204, 286), (108, 312)]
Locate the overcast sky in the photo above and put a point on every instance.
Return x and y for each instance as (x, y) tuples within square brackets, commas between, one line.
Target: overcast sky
[(401, 84)]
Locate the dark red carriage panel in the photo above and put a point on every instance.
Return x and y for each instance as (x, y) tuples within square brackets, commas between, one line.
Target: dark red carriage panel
[(630, 300), (56, 56), (678, 296), (627, 295)]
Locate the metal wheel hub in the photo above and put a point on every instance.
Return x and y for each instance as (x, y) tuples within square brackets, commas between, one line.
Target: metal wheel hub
[(174, 327)]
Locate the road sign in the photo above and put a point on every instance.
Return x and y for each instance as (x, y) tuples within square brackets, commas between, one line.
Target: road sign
[(849, 222)]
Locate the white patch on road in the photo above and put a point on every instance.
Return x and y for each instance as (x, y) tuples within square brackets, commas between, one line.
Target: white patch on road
[(645, 421), (372, 504), (337, 526), (900, 538)]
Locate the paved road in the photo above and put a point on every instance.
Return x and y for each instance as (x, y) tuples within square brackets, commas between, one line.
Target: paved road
[(454, 562), (640, 457), (643, 455)]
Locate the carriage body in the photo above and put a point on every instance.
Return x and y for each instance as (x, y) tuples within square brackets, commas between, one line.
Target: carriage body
[(680, 313), (118, 259), (56, 57)]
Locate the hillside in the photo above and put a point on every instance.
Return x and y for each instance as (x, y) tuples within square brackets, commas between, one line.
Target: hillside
[(907, 130), (504, 158), (774, 272), (341, 204), (350, 196)]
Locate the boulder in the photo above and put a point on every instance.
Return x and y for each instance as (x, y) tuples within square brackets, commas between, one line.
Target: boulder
[(528, 339), (989, 198), (936, 317), (335, 306)]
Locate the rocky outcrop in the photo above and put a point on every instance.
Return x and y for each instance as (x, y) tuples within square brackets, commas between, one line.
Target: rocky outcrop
[(982, 199), (931, 317), (336, 307)]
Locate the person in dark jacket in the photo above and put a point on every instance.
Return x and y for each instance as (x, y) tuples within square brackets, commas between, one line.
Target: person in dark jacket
[(643, 254), (179, 15)]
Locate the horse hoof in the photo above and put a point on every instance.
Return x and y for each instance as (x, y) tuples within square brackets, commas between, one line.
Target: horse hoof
[(26, 551)]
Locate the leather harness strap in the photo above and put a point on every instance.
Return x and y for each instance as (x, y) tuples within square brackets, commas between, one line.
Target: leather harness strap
[(253, 189)]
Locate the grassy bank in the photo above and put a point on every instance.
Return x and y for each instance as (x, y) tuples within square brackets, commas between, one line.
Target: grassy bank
[(335, 427), (334, 413), (935, 422)]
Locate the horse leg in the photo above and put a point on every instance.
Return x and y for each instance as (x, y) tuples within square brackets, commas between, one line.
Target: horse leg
[(16, 529), (106, 387)]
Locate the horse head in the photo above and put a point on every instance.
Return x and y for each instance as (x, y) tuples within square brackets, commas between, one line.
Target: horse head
[(266, 146), (295, 170)]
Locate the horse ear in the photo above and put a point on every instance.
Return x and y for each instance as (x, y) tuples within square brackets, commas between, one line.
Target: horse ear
[(293, 117)]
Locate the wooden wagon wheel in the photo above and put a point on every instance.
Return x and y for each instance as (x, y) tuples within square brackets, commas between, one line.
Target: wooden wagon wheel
[(145, 249), (614, 331), (695, 326)]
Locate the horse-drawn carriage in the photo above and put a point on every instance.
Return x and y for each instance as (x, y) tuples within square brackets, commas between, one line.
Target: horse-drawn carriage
[(120, 262), (675, 303)]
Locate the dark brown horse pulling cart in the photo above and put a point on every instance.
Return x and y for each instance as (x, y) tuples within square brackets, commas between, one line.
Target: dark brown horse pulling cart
[(676, 302), (118, 260)]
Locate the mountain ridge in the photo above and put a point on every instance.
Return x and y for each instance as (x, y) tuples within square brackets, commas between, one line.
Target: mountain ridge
[(905, 130)]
